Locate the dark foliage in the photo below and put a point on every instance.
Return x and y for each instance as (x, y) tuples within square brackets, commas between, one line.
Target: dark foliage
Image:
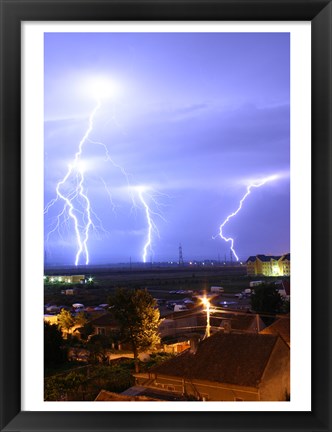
[(54, 350), (138, 318), (266, 299)]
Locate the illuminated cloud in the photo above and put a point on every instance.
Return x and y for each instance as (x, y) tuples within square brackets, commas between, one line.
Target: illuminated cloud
[(196, 117)]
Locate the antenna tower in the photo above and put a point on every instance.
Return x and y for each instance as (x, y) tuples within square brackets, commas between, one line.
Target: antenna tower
[(180, 255)]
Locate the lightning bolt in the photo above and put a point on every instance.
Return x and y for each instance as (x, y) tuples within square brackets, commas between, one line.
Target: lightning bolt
[(256, 184), (70, 190), (149, 213), (77, 212)]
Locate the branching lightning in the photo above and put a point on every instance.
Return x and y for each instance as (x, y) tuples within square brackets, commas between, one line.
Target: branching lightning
[(256, 184), (76, 213), (76, 204)]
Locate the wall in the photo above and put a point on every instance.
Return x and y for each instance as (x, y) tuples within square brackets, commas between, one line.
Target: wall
[(210, 391), (275, 384)]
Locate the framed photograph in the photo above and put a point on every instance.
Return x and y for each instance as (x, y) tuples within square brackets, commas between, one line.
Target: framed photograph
[(165, 179)]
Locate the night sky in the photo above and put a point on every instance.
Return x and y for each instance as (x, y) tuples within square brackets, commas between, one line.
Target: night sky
[(186, 122)]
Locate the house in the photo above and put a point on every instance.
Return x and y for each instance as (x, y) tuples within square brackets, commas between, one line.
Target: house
[(194, 321), (226, 367), (251, 266), (284, 264), (280, 327), (51, 319), (236, 322), (179, 323), (268, 265), (105, 325), (70, 291), (67, 279), (107, 396), (138, 393), (284, 289), (176, 347)]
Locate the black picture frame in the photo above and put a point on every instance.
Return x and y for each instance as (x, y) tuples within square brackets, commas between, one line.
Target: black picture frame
[(13, 12)]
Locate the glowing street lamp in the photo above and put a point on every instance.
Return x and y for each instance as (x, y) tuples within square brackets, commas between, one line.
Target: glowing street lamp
[(206, 303)]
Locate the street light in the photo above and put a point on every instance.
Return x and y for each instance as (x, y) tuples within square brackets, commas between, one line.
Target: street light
[(206, 302)]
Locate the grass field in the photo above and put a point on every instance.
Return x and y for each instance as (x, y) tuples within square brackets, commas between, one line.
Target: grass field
[(159, 281)]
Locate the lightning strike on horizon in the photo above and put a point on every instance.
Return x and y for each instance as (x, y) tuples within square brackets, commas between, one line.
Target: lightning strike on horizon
[(249, 187), (76, 201), (77, 209), (152, 227)]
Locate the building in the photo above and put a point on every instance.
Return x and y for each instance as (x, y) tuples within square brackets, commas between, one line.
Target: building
[(107, 396), (186, 323), (251, 266), (280, 327), (284, 264), (179, 323), (235, 322), (51, 319), (284, 289), (226, 367), (73, 279), (268, 265), (70, 291), (105, 325)]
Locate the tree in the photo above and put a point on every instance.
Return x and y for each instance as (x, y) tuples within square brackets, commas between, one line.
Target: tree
[(54, 352), (80, 319), (65, 387), (86, 331), (266, 299), (286, 306), (65, 321), (138, 318), (98, 346)]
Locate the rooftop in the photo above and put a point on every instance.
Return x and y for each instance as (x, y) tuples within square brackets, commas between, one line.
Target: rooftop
[(280, 327), (107, 396), (105, 320), (231, 358)]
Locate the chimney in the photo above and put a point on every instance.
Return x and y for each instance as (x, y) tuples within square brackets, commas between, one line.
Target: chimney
[(227, 326), (193, 344)]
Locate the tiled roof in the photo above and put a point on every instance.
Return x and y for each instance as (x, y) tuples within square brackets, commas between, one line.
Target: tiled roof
[(267, 258), (184, 314), (105, 320), (286, 286), (280, 327), (153, 393), (107, 396), (240, 322), (230, 358), (251, 258)]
